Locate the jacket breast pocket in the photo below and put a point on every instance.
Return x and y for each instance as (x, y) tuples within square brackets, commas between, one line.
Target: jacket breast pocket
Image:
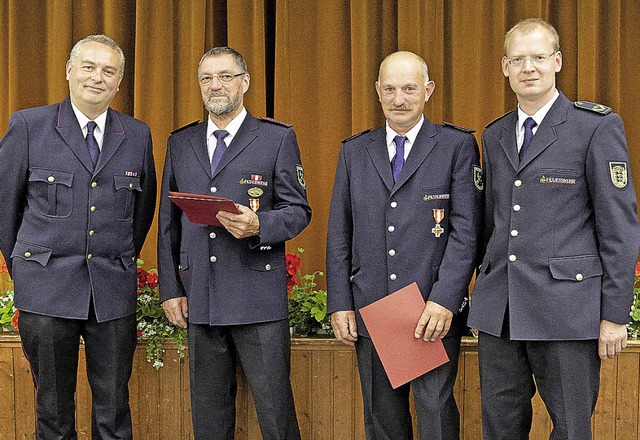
[(51, 192), (126, 188)]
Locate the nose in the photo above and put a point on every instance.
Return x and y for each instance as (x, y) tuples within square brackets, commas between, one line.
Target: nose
[(398, 98), (216, 84), (527, 66), (96, 76)]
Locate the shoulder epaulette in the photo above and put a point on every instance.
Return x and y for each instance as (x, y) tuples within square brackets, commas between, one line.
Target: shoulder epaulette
[(186, 126), (273, 121), (353, 136), (593, 106), (498, 118), (459, 127)]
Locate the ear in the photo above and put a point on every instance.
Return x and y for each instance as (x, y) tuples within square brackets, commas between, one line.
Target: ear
[(378, 91), (558, 61), (68, 69), (246, 80), (430, 87), (505, 66)]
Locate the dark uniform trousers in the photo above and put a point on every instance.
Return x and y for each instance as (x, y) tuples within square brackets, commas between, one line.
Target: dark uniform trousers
[(51, 346), (264, 351), (567, 376), (386, 411)]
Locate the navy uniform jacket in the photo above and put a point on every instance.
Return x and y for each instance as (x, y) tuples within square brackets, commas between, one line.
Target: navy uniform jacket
[(228, 280), (561, 229), (379, 237), (68, 231)]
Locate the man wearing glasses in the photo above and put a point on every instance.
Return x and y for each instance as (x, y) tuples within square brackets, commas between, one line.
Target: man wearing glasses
[(552, 294), (229, 282)]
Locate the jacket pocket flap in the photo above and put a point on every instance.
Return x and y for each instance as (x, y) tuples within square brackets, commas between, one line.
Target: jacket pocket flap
[(127, 258), (575, 268), (31, 252), (51, 176), (127, 182)]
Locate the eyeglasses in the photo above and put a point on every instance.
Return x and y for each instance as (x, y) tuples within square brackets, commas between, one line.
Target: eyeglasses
[(536, 60), (224, 78)]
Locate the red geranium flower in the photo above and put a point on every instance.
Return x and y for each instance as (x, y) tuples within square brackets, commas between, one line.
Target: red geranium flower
[(293, 264), (139, 333), (152, 280), (3, 266), (291, 281), (14, 320), (638, 269)]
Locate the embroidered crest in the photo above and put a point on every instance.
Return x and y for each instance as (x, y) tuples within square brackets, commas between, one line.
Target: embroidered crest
[(300, 173), (477, 178), (618, 171), (254, 204)]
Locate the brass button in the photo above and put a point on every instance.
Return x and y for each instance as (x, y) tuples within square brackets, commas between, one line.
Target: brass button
[(93, 184), (93, 208), (579, 277), (91, 232), (131, 186), (51, 179), (89, 257), (27, 254)]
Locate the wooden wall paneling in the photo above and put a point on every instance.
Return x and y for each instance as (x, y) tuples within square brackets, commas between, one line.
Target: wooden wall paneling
[(7, 391), (134, 392), (302, 393), (627, 396), (185, 400), (25, 397), (472, 414), (242, 407), (541, 425), (170, 425), (343, 382), (148, 399), (83, 399), (604, 415), (322, 389)]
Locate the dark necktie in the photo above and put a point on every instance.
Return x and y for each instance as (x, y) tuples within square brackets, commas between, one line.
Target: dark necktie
[(398, 159), (220, 148), (529, 123), (92, 144)]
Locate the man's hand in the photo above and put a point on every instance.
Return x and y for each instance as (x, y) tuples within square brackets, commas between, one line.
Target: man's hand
[(437, 320), (245, 224), (613, 338), (344, 326), (177, 310)]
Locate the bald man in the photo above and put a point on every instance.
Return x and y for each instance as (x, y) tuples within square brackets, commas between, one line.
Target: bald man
[(405, 208)]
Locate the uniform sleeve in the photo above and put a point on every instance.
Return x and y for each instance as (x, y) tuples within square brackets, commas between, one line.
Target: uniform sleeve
[(146, 201), (291, 212), (14, 165), (169, 230), (459, 258), (339, 238), (615, 209)]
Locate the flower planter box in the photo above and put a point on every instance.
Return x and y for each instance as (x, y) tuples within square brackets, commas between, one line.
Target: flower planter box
[(326, 390)]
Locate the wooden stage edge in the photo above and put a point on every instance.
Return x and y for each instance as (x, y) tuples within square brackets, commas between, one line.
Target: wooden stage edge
[(326, 391)]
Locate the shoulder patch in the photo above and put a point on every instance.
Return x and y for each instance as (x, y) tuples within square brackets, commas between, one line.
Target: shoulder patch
[(498, 118), (458, 127), (593, 106), (186, 126), (273, 121), (353, 136)]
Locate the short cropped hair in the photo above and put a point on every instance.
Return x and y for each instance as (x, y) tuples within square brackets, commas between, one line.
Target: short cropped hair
[(223, 50), (529, 25), (73, 56)]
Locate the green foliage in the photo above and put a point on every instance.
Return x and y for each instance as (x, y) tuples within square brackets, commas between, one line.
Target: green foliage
[(308, 308), (634, 324)]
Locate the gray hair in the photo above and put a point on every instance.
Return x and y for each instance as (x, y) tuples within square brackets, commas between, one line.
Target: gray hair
[(239, 59), (73, 56)]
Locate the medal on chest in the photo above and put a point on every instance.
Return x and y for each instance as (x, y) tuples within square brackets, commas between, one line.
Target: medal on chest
[(438, 216)]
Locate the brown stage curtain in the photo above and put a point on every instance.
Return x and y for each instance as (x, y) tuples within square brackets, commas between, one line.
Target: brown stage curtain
[(321, 78)]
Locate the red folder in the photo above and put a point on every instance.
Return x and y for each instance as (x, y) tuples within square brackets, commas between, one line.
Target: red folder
[(202, 209), (391, 322)]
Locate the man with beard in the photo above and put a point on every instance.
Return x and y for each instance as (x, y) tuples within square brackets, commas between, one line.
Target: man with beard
[(405, 208), (229, 282)]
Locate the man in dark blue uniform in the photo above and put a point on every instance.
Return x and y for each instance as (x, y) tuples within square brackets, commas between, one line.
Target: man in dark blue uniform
[(78, 191), (231, 281), (561, 239), (405, 208)]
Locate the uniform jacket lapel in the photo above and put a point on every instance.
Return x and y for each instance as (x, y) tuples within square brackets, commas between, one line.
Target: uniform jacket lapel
[(245, 135), (424, 143), (69, 128), (379, 154), (546, 134), (113, 137), (198, 140), (508, 139)]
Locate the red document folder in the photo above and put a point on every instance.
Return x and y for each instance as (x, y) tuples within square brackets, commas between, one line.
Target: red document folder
[(202, 209), (391, 322)]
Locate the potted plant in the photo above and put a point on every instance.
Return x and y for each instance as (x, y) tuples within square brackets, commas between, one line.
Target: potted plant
[(634, 323)]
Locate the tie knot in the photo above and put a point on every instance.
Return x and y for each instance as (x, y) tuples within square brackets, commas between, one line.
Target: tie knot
[(399, 140), (91, 125), (220, 134), (529, 123)]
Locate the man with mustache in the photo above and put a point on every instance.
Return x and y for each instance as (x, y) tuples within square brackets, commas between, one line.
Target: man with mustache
[(552, 296), (229, 282), (78, 187), (405, 208)]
